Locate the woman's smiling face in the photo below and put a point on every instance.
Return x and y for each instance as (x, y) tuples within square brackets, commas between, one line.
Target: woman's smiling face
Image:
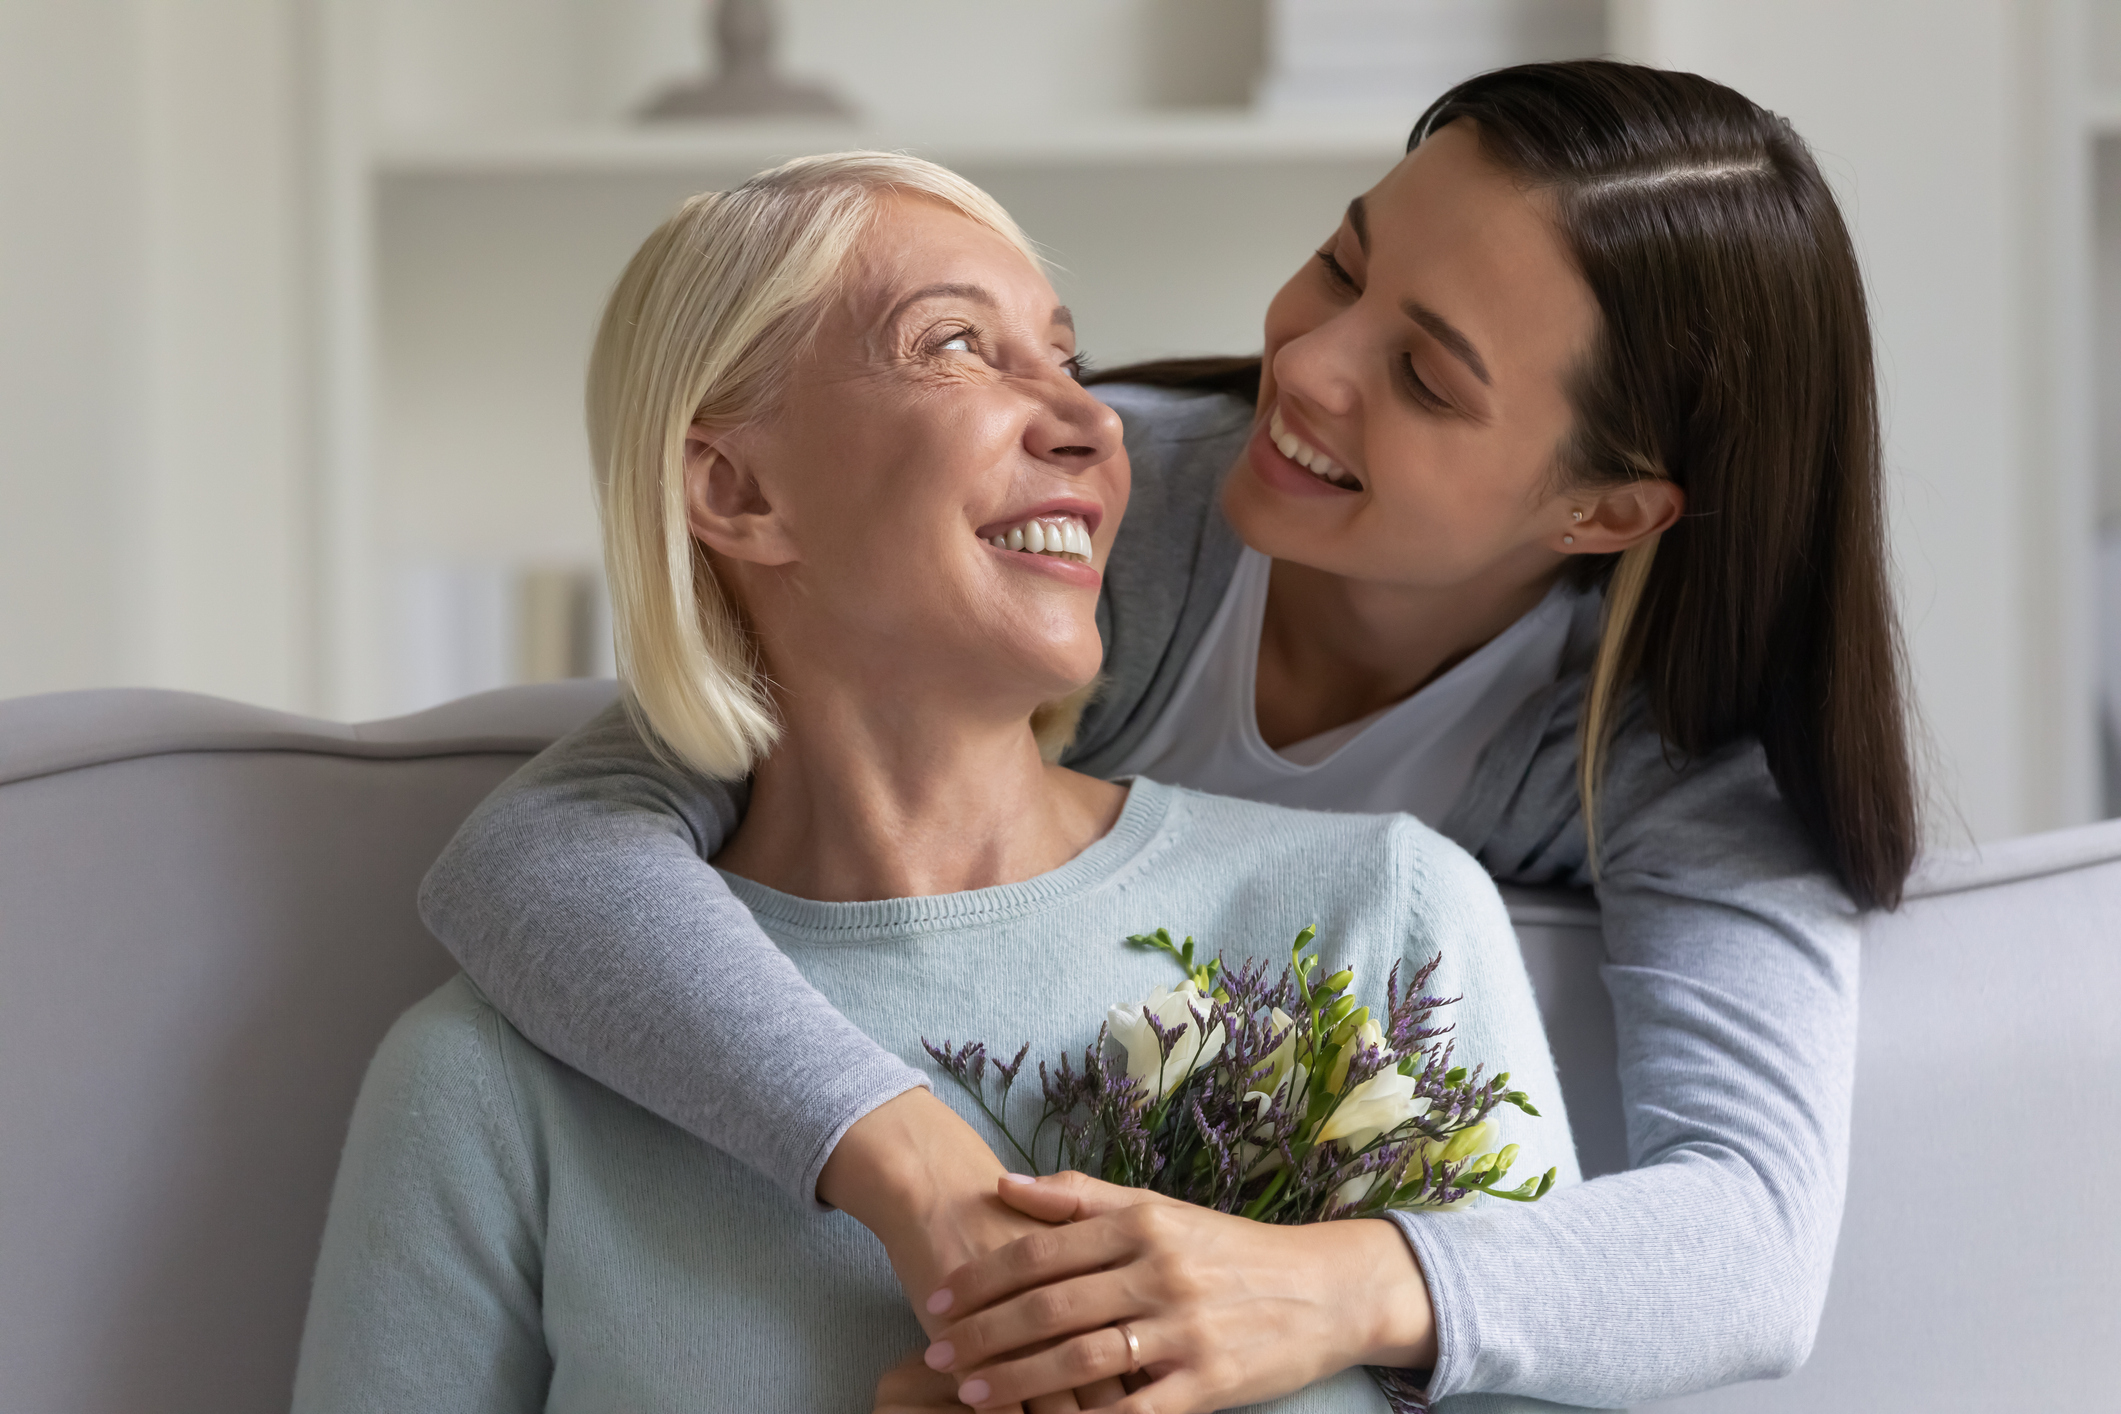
[(1415, 390), (883, 517)]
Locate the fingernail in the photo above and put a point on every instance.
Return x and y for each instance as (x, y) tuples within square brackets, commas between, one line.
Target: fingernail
[(973, 1391), (940, 1302), (1018, 1178), (940, 1355)]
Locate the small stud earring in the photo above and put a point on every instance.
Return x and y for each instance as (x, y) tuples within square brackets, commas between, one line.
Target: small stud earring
[(1576, 515), (1568, 540)]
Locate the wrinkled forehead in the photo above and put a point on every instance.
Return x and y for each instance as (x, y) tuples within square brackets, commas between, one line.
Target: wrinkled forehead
[(915, 245)]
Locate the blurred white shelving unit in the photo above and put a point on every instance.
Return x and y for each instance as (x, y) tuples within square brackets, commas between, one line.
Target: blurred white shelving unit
[(2098, 293), (1145, 140), (2101, 116), (461, 264), (478, 185)]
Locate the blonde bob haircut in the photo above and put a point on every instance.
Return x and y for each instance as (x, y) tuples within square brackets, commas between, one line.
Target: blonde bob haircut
[(711, 313)]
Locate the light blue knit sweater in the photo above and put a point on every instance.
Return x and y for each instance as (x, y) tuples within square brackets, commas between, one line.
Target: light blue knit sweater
[(507, 1234)]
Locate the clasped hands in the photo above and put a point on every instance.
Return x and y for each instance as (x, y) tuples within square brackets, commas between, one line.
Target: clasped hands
[(1024, 1286)]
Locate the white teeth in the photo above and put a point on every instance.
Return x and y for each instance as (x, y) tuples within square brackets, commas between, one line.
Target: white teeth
[(1063, 536), (1305, 455)]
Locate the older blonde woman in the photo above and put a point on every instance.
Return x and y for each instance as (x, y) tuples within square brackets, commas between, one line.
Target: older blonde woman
[(855, 505)]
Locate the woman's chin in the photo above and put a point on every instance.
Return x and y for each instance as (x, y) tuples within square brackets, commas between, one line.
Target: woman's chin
[(1058, 675), (1264, 520)]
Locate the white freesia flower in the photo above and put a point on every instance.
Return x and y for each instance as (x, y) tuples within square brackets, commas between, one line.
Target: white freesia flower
[(1174, 1010), (1281, 1061), (1366, 1035), (1358, 1188), (1465, 1144), (1284, 1076), (1377, 1106)]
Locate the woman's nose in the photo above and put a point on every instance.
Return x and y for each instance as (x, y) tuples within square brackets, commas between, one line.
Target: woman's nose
[(1071, 428), (1316, 370)]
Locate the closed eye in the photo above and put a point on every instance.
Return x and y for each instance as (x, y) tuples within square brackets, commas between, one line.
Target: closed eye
[(1418, 388), (1337, 274)]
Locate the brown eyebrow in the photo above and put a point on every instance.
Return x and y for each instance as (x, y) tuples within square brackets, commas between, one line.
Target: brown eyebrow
[(978, 294), (1444, 332), (1359, 220)]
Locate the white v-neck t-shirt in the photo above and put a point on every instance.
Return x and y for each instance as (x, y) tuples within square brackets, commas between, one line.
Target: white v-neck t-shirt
[(1415, 755)]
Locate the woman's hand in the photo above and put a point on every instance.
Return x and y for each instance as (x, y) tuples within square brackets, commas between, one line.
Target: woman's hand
[(920, 1178), (1226, 1311), (910, 1387)]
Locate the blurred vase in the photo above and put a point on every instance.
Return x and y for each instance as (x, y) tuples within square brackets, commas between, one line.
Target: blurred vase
[(742, 35)]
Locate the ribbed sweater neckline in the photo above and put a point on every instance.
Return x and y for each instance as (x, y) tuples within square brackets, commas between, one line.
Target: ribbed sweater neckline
[(1144, 814)]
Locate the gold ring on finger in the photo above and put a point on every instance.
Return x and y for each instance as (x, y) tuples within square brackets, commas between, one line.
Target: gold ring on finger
[(1134, 1346)]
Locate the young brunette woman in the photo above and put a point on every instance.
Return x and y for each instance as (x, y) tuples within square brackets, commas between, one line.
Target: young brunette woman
[(1552, 515)]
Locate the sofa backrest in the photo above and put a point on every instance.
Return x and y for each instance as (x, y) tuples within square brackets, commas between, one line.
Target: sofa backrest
[(1980, 1258), (207, 922)]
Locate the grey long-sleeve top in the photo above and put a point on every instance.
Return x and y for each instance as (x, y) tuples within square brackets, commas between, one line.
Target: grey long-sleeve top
[(579, 898)]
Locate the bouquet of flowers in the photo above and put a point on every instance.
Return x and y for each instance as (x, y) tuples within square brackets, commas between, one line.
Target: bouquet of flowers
[(1281, 1100)]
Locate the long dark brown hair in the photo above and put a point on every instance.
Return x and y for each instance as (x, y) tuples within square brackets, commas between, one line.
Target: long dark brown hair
[(1733, 356)]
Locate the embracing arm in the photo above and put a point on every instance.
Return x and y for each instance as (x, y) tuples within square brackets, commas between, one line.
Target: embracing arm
[(1732, 967), (578, 896)]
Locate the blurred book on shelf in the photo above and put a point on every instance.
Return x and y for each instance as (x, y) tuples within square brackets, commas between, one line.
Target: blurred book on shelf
[(1399, 55), (2108, 580), (465, 628)]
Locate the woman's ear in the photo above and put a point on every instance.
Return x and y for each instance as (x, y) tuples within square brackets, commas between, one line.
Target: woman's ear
[(1623, 517), (726, 506)]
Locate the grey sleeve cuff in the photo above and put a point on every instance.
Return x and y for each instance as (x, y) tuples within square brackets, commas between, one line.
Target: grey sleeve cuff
[(877, 1084), (1454, 1320)]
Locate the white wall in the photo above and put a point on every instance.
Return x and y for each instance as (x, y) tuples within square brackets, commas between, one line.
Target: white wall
[(1925, 116), (151, 518), (71, 261)]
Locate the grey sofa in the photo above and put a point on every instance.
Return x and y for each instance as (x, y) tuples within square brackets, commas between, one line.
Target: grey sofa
[(206, 922)]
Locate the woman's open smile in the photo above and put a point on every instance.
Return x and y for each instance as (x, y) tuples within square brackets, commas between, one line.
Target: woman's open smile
[(1053, 539), (1287, 462)]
